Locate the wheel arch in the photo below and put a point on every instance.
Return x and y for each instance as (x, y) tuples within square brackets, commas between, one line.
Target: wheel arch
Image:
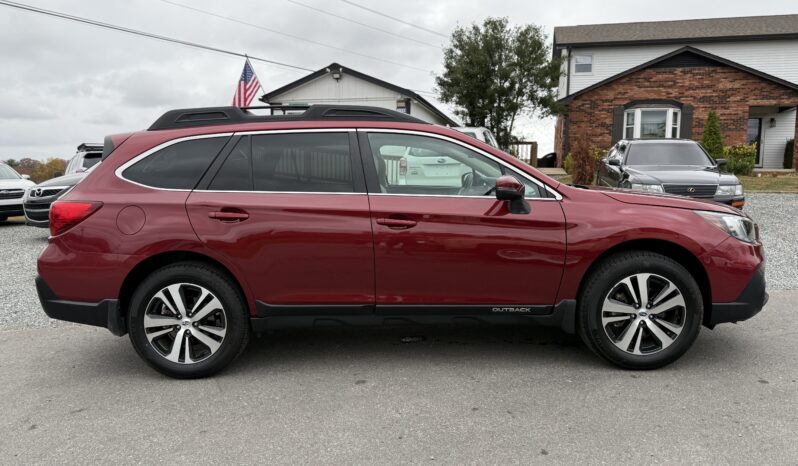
[(157, 261), (668, 249)]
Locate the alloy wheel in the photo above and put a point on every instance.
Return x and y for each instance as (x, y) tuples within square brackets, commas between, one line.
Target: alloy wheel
[(643, 314), (185, 323)]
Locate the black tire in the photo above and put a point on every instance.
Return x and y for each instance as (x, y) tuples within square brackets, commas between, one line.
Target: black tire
[(604, 279), (236, 318)]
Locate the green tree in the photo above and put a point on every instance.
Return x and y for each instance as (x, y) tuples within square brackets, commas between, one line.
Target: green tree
[(713, 138), (47, 170), (494, 72)]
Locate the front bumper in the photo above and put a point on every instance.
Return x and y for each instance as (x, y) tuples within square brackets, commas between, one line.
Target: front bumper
[(752, 299), (105, 313)]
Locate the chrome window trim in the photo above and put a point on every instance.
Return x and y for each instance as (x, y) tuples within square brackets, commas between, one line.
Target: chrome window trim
[(163, 145), (557, 196), (278, 192)]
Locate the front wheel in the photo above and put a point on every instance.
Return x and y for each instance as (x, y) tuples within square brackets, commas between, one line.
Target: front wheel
[(640, 310), (188, 320)]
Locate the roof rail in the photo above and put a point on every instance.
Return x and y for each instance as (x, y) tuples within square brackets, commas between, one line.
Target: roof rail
[(208, 116), (90, 147)]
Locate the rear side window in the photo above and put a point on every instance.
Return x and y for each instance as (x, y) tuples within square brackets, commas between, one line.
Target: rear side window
[(92, 159), (236, 172), (302, 162), (178, 166)]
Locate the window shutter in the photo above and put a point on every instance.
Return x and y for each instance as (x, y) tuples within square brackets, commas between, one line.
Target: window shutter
[(686, 129), (617, 124)]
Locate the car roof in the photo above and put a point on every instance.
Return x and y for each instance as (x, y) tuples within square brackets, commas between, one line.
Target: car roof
[(657, 140)]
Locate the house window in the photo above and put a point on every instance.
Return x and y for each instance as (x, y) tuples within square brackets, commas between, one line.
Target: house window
[(647, 123), (583, 63)]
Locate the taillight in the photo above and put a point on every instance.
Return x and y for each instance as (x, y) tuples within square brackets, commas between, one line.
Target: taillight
[(66, 214), (403, 166)]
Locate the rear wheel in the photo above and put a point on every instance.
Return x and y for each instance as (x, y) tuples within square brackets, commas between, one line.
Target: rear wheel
[(188, 320), (640, 310)]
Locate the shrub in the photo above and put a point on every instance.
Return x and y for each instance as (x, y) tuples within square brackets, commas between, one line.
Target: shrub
[(789, 154), (582, 161), (713, 138), (567, 164), (740, 159)]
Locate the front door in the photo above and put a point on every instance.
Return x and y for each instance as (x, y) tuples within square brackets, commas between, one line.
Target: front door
[(451, 245), (290, 211), (755, 137)]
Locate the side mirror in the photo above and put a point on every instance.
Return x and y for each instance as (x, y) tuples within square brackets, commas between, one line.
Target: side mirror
[(614, 162), (25, 177), (720, 162), (510, 189)]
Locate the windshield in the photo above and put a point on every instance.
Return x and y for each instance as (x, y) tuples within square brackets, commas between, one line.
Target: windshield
[(7, 173), (667, 154)]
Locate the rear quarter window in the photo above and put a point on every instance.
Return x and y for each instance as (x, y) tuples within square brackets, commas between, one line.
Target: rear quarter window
[(178, 166)]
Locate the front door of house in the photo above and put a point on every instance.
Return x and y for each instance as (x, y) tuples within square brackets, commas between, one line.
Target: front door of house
[(755, 137)]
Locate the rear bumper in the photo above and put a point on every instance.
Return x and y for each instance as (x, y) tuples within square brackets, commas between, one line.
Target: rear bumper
[(752, 299), (105, 313)]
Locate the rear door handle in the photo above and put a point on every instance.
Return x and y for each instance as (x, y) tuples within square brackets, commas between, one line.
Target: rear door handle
[(396, 223), (224, 216)]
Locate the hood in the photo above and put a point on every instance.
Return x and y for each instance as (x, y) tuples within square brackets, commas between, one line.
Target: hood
[(18, 183), (66, 180), (678, 174), (663, 200)]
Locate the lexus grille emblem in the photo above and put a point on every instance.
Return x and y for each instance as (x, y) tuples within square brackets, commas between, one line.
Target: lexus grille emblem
[(691, 189)]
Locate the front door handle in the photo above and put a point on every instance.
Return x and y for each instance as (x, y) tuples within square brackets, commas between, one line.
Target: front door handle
[(397, 223), (225, 216)]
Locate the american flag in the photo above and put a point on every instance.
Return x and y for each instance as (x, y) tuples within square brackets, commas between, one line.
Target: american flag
[(247, 87)]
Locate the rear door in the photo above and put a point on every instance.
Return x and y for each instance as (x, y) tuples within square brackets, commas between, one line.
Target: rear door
[(460, 252), (289, 209)]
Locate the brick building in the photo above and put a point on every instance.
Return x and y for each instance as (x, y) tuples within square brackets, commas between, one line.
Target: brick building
[(661, 79)]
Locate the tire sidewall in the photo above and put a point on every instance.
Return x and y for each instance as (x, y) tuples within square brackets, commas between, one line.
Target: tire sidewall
[(612, 272), (235, 316)]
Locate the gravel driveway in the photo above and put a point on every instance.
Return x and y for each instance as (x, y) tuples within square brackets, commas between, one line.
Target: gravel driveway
[(777, 215)]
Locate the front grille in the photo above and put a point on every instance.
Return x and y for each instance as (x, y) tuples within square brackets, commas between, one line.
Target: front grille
[(37, 193), (11, 193), (38, 212), (692, 190)]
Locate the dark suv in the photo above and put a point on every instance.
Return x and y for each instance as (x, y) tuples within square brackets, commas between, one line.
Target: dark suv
[(218, 222)]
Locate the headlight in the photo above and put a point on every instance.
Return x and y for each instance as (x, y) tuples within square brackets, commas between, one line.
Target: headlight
[(740, 227), (729, 190), (647, 188)]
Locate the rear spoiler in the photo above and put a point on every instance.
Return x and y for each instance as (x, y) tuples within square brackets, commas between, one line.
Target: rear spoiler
[(112, 142)]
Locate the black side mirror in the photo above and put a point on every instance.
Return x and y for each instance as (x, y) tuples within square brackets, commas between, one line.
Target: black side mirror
[(510, 189), (720, 162), (614, 162)]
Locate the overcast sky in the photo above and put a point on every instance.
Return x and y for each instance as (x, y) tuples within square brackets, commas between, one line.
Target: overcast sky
[(65, 83)]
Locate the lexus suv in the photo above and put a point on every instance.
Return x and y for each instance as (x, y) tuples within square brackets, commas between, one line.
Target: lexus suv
[(215, 223)]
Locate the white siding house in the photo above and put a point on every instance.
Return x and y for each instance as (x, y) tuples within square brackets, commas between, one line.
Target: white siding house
[(336, 84)]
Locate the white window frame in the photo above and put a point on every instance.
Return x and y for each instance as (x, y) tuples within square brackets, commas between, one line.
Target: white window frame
[(584, 73), (638, 117)]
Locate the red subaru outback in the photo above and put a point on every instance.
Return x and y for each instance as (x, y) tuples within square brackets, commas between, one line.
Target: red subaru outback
[(217, 222)]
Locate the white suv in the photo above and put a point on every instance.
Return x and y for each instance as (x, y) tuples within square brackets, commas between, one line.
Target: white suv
[(12, 188)]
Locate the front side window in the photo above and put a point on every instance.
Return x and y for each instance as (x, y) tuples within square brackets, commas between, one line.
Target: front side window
[(648, 123), (7, 173), (583, 63), (302, 162), (410, 164), (178, 166)]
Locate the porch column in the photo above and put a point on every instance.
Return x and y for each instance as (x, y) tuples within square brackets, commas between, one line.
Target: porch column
[(795, 143)]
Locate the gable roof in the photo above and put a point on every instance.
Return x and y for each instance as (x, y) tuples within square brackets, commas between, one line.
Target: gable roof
[(685, 56), (691, 30), (266, 98)]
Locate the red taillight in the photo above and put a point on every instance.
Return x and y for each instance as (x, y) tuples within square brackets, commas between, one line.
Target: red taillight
[(65, 214), (403, 166)]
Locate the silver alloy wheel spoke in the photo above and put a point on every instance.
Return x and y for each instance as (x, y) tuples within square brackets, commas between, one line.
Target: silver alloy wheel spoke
[(199, 331), (643, 313)]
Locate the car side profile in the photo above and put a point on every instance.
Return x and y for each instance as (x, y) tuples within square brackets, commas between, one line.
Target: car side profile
[(673, 166), (215, 223)]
